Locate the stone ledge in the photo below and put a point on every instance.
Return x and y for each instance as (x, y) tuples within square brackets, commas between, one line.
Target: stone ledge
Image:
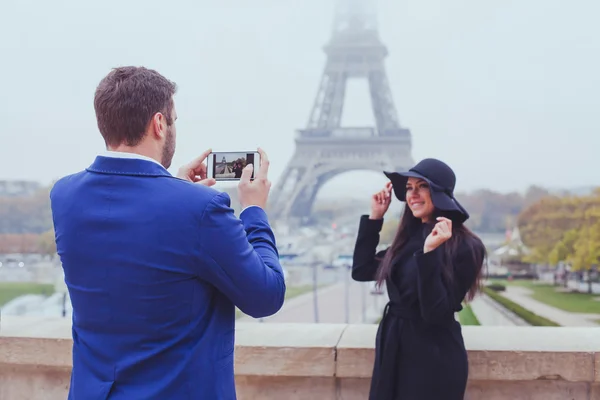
[(355, 352), (36, 352), (346, 351), (287, 349)]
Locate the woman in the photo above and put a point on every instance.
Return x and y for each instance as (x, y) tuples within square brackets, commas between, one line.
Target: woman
[(237, 169), (433, 264)]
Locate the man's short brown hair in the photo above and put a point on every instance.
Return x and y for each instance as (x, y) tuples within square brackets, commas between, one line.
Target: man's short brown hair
[(125, 101)]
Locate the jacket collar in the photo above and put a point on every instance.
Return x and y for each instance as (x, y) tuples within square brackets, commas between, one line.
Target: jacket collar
[(127, 166)]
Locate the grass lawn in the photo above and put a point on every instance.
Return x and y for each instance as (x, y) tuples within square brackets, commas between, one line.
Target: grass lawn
[(12, 290), (290, 293), (294, 291), (546, 293), (467, 317), (528, 316)]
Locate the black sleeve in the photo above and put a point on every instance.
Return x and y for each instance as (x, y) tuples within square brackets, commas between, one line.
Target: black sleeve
[(438, 301), (366, 261)]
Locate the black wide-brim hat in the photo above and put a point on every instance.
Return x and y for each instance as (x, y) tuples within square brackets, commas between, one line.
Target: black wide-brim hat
[(441, 180)]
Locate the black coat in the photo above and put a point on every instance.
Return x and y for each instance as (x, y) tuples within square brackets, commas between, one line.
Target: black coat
[(419, 351)]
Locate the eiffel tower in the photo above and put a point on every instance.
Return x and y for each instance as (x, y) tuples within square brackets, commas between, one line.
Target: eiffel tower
[(325, 149)]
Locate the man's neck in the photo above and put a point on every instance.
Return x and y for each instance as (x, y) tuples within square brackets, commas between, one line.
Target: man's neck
[(140, 150), (129, 152)]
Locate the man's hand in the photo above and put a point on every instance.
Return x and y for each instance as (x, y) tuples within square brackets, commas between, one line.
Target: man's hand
[(256, 192), (195, 171)]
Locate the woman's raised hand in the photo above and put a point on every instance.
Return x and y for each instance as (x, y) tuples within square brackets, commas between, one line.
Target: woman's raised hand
[(442, 231), (380, 202)]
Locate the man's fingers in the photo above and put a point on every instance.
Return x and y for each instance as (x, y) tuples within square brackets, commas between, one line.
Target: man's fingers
[(195, 170), (204, 155), (247, 174), (263, 170), (207, 182), (198, 161), (201, 171)]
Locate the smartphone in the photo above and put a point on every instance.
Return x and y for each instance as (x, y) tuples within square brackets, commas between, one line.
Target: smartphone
[(228, 166)]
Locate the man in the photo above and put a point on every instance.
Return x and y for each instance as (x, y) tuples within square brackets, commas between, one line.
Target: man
[(155, 264)]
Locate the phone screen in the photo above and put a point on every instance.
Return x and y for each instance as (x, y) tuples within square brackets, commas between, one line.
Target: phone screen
[(228, 166)]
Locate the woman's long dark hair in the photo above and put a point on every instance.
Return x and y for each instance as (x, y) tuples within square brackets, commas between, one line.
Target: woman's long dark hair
[(409, 225)]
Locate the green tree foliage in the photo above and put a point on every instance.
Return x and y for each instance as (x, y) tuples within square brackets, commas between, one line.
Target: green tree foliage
[(563, 229), (47, 244), (564, 249), (494, 212)]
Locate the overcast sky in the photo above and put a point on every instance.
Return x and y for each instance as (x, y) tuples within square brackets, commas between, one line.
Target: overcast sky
[(505, 91)]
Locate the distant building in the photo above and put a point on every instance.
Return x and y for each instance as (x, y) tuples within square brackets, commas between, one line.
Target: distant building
[(514, 247), (510, 257), (18, 188)]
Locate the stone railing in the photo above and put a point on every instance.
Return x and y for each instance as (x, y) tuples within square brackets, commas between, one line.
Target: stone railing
[(321, 361)]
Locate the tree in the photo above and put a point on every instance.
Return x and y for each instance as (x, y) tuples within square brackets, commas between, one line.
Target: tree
[(495, 212), (587, 251), (47, 243), (544, 223), (564, 250), (564, 229)]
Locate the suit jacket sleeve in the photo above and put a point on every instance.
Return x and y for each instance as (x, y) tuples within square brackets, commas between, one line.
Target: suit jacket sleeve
[(439, 300), (365, 261), (242, 258)]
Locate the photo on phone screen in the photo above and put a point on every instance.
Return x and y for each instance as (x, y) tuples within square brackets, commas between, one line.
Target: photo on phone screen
[(228, 166)]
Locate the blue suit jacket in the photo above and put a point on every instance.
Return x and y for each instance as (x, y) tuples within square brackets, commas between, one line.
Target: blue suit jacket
[(154, 266)]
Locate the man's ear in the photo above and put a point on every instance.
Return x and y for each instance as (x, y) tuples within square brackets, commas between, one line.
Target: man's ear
[(159, 125)]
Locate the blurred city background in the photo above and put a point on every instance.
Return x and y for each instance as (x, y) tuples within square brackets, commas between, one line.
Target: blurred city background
[(503, 91)]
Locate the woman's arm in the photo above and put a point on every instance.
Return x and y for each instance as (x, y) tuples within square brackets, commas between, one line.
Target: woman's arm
[(438, 300), (366, 261)]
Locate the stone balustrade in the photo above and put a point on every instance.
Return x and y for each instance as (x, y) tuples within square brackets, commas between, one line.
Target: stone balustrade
[(322, 361)]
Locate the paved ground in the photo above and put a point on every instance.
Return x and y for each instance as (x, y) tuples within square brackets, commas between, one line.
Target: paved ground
[(363, 307), (521, 296), (488, 313), (548, 277), (331, 301), (35, 326)]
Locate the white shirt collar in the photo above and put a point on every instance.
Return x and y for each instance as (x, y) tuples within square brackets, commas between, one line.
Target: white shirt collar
[(122, 154)]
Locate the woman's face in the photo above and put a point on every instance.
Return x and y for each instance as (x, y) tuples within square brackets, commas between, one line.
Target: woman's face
[(418, 199)]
